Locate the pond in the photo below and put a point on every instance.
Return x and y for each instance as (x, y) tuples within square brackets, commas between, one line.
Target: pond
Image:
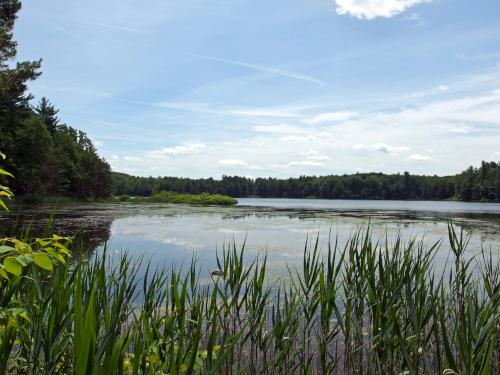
[(166, 234)]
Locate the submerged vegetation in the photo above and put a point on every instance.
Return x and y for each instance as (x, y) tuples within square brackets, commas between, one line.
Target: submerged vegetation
[(361, 308), (171, 197)]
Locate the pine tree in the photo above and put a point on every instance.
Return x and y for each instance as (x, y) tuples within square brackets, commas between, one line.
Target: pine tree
[(14, 100), (48, 113), (13, 81)]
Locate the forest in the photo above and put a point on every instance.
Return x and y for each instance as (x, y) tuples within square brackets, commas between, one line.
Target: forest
[(473, 184), (47, 157)]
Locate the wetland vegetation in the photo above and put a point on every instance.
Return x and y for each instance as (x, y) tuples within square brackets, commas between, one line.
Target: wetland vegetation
[(359, 307), (171, 197)]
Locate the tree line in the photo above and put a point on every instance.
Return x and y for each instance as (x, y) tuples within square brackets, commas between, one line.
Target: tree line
[(46, 156), (473, 184)]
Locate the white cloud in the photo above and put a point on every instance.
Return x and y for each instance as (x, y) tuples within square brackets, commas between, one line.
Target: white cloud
[(464, 117), (233, 162), (331, 117), (210, 108), (382, 147), (131, 158), (419, 157), (304, 163), (281, 128), (189, 148), (315, 155), (298, 138), (460, 130), (370, 9)]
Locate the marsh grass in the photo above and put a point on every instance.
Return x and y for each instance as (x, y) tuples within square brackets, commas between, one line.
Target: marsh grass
[(360, 308), (172, 197)]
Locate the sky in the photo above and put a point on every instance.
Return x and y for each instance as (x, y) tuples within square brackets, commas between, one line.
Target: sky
[(276, 88)]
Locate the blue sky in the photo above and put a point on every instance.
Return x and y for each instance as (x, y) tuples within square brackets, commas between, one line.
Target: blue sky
[(273, 88)]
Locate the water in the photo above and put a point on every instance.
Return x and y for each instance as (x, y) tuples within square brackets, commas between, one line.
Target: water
[(170, 234)]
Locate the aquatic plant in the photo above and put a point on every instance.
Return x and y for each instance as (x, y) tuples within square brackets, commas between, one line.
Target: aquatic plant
[(171, 197), (364, 307)]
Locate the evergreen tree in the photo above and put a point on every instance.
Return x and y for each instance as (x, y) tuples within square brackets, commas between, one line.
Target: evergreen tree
[(48, 113)]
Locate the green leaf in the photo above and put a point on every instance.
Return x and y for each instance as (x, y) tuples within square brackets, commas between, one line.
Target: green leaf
[(3, 205), (6, 173), (24, 260), (6, 249), (4, 274), (43, 261), (13, 266)]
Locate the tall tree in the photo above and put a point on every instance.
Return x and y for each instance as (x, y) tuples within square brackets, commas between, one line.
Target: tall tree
[(32, 147), (13, 80), (48, 113), (14, 100)]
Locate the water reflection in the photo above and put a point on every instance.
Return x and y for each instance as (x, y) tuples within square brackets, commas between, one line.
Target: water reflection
[(168, 234)]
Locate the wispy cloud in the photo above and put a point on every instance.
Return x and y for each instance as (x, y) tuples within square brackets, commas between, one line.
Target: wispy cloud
[(315, 155), (115, 27), (279, 129), (73, 35), (301, 163), (233, 162), (200, 107), (370, 9), (382, 147), (330, 117), (266, 69), (419, 157)]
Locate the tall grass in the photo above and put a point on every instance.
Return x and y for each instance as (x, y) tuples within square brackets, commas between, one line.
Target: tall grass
[(362, 308), (172, 197)]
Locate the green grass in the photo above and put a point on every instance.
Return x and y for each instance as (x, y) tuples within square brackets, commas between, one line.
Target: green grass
[(171, 197), (358, 308)]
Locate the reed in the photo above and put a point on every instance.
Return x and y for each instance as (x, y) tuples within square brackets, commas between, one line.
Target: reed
[(364, 307)]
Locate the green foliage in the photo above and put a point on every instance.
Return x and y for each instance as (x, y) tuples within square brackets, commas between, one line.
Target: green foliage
[(48, 114), (366, 307), (5, 192), (474, 184), (17, 257), (480, 184), (32, 144), (199, 199)]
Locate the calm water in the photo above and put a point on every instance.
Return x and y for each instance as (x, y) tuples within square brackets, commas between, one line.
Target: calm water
[(167, 234)]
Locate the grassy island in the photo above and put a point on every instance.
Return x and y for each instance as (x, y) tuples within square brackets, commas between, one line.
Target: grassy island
[(171, 197)]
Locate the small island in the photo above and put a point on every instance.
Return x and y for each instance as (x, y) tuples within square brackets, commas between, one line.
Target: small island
[(171, 197)]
